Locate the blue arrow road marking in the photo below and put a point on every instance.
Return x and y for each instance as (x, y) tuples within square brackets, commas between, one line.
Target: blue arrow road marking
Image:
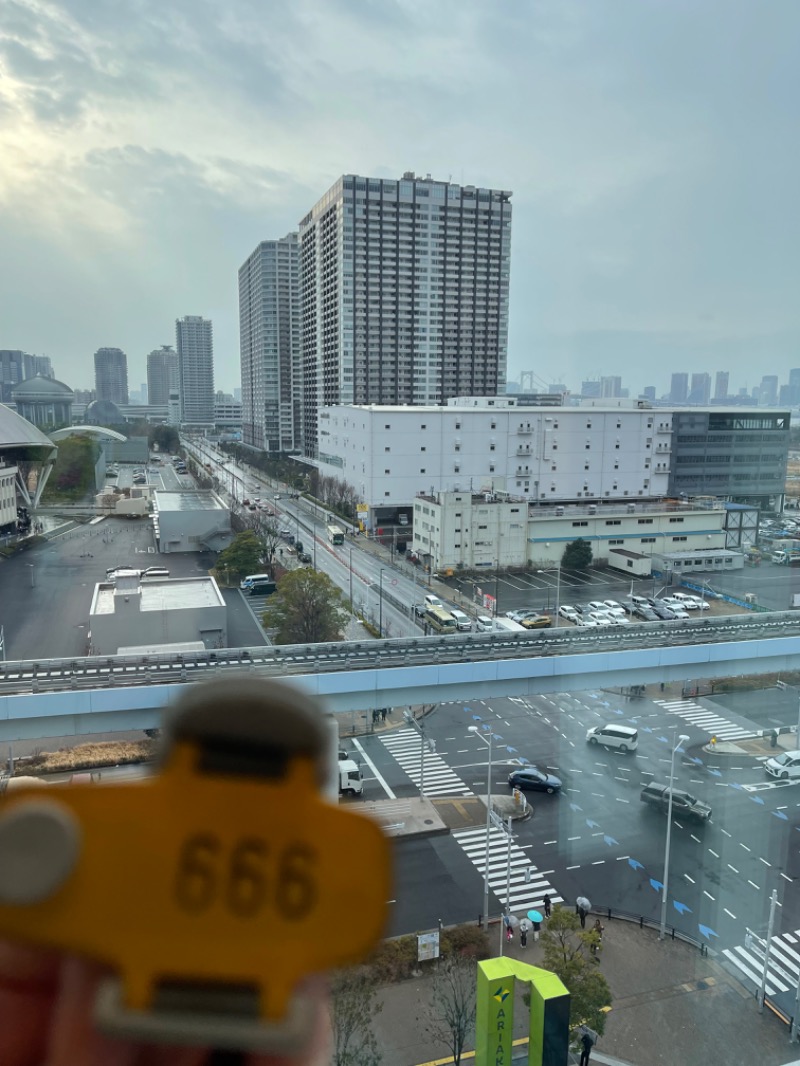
[(707, 932), (681, 908), (610, 840), (657, 885), (635, 864)]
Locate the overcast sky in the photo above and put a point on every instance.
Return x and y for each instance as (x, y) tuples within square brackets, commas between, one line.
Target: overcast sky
[(651, 146)]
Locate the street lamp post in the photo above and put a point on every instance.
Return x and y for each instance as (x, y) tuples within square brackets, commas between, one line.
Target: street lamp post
[(474, 729), (380, 603), (558, 589), (351, 581), (663, 932)]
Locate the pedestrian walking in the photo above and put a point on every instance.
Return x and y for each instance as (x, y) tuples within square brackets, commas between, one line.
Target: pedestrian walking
[(582, 916), (586, 1049), (523, 938), (597, 928), (548, 910)]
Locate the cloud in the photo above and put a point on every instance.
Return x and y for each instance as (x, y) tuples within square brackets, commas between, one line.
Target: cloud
[(651, 150)]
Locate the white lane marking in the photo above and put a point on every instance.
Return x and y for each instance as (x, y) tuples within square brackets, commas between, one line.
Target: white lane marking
[(375, 770)]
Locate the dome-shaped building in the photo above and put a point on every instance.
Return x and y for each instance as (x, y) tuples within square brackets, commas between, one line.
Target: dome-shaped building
[(44, 401), (103, 413)]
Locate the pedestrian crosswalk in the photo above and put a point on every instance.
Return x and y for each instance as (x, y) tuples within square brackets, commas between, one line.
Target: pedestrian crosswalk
[(704, 718), (523, 894), (440, 780), (783, 968)]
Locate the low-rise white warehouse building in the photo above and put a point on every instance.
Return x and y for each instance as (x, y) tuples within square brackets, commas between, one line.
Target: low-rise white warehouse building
[(154, 611), (191, 521), (462, 531), (543, 454)]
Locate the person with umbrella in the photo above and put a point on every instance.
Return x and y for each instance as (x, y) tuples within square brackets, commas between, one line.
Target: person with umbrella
[(524, 926), (582, 908)]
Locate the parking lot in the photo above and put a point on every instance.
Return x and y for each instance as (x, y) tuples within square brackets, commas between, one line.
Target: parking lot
[(538, 590)]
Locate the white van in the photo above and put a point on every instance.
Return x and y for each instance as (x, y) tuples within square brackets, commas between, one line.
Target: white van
[(432, 601), (246, 583), (784, 766), (463, 621), (624, 737), (483, 624), (350, 780)]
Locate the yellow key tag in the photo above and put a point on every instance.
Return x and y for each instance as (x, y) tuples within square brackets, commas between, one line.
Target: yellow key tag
[(213, 887)]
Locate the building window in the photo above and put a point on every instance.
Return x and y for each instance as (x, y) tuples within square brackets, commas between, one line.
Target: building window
[(676, 519), (422, 449), (387, 449), (576, 524), (422, 471), (387, 427), (645, 521), (387, 471), (679, 538), (423, 427), (648, 540)]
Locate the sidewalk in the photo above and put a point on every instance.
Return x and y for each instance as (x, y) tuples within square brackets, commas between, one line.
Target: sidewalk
[(672, 1007)]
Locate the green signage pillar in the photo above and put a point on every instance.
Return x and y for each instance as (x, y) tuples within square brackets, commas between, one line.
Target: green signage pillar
[(549, 1014)]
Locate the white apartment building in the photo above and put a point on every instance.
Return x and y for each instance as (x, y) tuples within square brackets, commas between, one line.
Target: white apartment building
[(8, 495), (547, 454), (269, 340), (461, 530), (404, 294), (195, 370), (162, 375)]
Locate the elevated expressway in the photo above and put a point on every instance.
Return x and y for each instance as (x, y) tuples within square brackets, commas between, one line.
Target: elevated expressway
[(75, 696)]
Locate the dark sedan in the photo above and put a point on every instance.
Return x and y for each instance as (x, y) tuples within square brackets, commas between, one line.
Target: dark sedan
[(529, 779)]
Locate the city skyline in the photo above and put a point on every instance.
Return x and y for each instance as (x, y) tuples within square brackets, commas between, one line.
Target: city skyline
[(654, 211)]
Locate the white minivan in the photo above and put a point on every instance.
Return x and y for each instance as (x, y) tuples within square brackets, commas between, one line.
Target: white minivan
[(484, 624), (784, 766), (624, 737), (463, 621)]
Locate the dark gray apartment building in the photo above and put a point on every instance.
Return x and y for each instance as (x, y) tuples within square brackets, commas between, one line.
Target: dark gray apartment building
[(111, 375), (738, 455), (269, 338), (404, 294)]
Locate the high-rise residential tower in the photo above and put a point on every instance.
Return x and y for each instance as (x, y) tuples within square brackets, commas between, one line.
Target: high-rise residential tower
[(162, 372), (768, 390), (404, 294), (270, 346), (111, 375), (15, 366), (721, 385), (195, 369), (679, 388), (700, 391)]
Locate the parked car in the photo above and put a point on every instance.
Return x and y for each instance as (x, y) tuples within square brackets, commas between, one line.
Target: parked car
[(483, 624), (586, 621), (568, 612), (784, 766), (596, 605), (600, 618), (662, 612), (529, 779), (614, 607), (420, 609), (536, 621), (684, 804), (646, 613), (689, 602), (304, 557)]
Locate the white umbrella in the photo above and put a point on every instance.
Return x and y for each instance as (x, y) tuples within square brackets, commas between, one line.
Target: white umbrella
[(524, 926), (583, 903), (511, 919)]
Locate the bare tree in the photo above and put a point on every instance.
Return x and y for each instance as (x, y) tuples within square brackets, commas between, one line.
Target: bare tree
[(267, 531), (450, 1015), (352, 1009)]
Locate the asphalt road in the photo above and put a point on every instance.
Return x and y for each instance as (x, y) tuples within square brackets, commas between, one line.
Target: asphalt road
[(597, 838)]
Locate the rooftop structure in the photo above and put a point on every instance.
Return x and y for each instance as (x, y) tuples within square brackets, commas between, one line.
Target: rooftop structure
[(135, 612)]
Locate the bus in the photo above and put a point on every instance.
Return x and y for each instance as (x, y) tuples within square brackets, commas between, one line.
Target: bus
[(335, 534), (440, 619)]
